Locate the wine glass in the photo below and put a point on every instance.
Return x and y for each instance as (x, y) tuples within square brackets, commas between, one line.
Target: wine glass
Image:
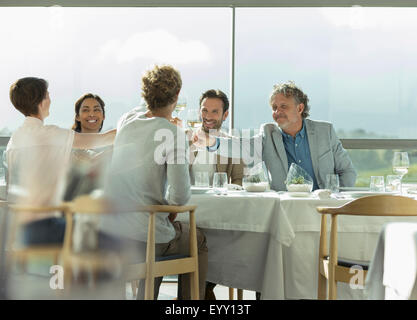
[(193, 118), (400, 164), (220, 183), (332, 182), (181, 105)]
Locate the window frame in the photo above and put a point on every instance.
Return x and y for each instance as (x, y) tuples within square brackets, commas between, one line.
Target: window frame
[(406, 144)]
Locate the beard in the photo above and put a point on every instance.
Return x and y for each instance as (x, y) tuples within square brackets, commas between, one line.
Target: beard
[(217, 125)]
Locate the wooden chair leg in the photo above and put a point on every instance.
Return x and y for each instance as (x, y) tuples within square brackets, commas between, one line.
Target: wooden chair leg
[(67, 277), (333, 260), (239, 294), (195, 294), (321, 290), (134, 285), (231, 294), (150, 259), (194, 276)]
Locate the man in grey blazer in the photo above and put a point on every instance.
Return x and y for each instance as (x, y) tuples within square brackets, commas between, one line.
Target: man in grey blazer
[(311, 144)]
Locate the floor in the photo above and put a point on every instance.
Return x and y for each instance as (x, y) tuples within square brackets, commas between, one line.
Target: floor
[(168, 291), (36, 283)]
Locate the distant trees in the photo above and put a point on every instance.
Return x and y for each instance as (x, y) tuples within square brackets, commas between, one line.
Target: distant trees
[(374, 162)]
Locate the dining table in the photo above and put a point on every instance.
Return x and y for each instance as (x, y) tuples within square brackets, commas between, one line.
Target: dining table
[(268, 241), (392, 273)]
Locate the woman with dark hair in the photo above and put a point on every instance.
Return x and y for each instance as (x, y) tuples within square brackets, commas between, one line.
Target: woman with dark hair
[(38, 157), (89, 114), (89, 167)]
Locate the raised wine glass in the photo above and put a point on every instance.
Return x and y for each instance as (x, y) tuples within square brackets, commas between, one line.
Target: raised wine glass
[(193, 119), (400, 164), (181, 105)]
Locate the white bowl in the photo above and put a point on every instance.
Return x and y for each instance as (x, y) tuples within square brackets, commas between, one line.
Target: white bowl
[(299, 187), (255, 187)]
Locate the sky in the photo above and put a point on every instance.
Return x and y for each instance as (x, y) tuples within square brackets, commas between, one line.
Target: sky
[(357, 65)]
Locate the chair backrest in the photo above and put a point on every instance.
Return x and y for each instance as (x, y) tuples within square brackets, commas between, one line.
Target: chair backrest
[(17, 209), (379, 205), (88, 204), (147, 270)]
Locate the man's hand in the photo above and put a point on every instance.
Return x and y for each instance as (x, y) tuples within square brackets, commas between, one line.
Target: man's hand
[(172, 217), (176, 121), (202, 139)]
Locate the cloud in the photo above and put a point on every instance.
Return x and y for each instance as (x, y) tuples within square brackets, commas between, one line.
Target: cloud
[(158, 45), (357, 17)]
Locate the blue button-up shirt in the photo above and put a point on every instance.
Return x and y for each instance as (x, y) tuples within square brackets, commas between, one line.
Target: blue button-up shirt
[(298, 151)]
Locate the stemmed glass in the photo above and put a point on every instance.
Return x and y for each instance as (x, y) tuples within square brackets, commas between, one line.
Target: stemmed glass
[(220, 183), (181, 105), (400, 164), (193, 118)]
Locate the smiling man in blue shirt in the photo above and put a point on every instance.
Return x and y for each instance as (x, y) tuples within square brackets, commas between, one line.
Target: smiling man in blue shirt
[(311, 144)]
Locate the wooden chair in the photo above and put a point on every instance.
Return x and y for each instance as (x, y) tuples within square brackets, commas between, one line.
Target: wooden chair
[(60, 253), (151, 268), (337, 270), (22, 254), (239, 294)]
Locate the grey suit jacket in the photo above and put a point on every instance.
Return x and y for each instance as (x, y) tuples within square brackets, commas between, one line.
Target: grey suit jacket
[(327, 153)]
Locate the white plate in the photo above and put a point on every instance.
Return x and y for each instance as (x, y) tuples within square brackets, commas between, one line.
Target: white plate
[(354, 188), (300, 194), (200, 190), (255, 188), (360, 194), (299, 187)]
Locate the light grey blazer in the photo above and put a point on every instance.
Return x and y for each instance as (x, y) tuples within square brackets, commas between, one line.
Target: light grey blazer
[(327, 153)]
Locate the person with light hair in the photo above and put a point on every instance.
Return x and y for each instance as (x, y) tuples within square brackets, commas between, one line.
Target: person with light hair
[(150, 167), (88, 166)]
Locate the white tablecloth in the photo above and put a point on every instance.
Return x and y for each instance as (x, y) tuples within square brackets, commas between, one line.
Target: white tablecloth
[(242, 211), (393, 271), (268, 242)]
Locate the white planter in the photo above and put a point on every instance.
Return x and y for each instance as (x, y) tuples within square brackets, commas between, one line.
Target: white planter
[(299, 187), (255, 187)]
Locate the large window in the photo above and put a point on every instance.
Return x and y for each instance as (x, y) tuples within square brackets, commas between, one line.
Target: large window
[(105, 51), (357, 65)]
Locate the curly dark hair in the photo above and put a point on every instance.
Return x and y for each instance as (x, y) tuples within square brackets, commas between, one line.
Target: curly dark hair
[(289, 89), (160, 86)]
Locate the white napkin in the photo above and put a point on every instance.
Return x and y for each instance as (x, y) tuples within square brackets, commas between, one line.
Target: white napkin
[(231, 186), (323, 193)]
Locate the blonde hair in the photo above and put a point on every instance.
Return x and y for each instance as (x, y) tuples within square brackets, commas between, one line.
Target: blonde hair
[(160, 86)]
